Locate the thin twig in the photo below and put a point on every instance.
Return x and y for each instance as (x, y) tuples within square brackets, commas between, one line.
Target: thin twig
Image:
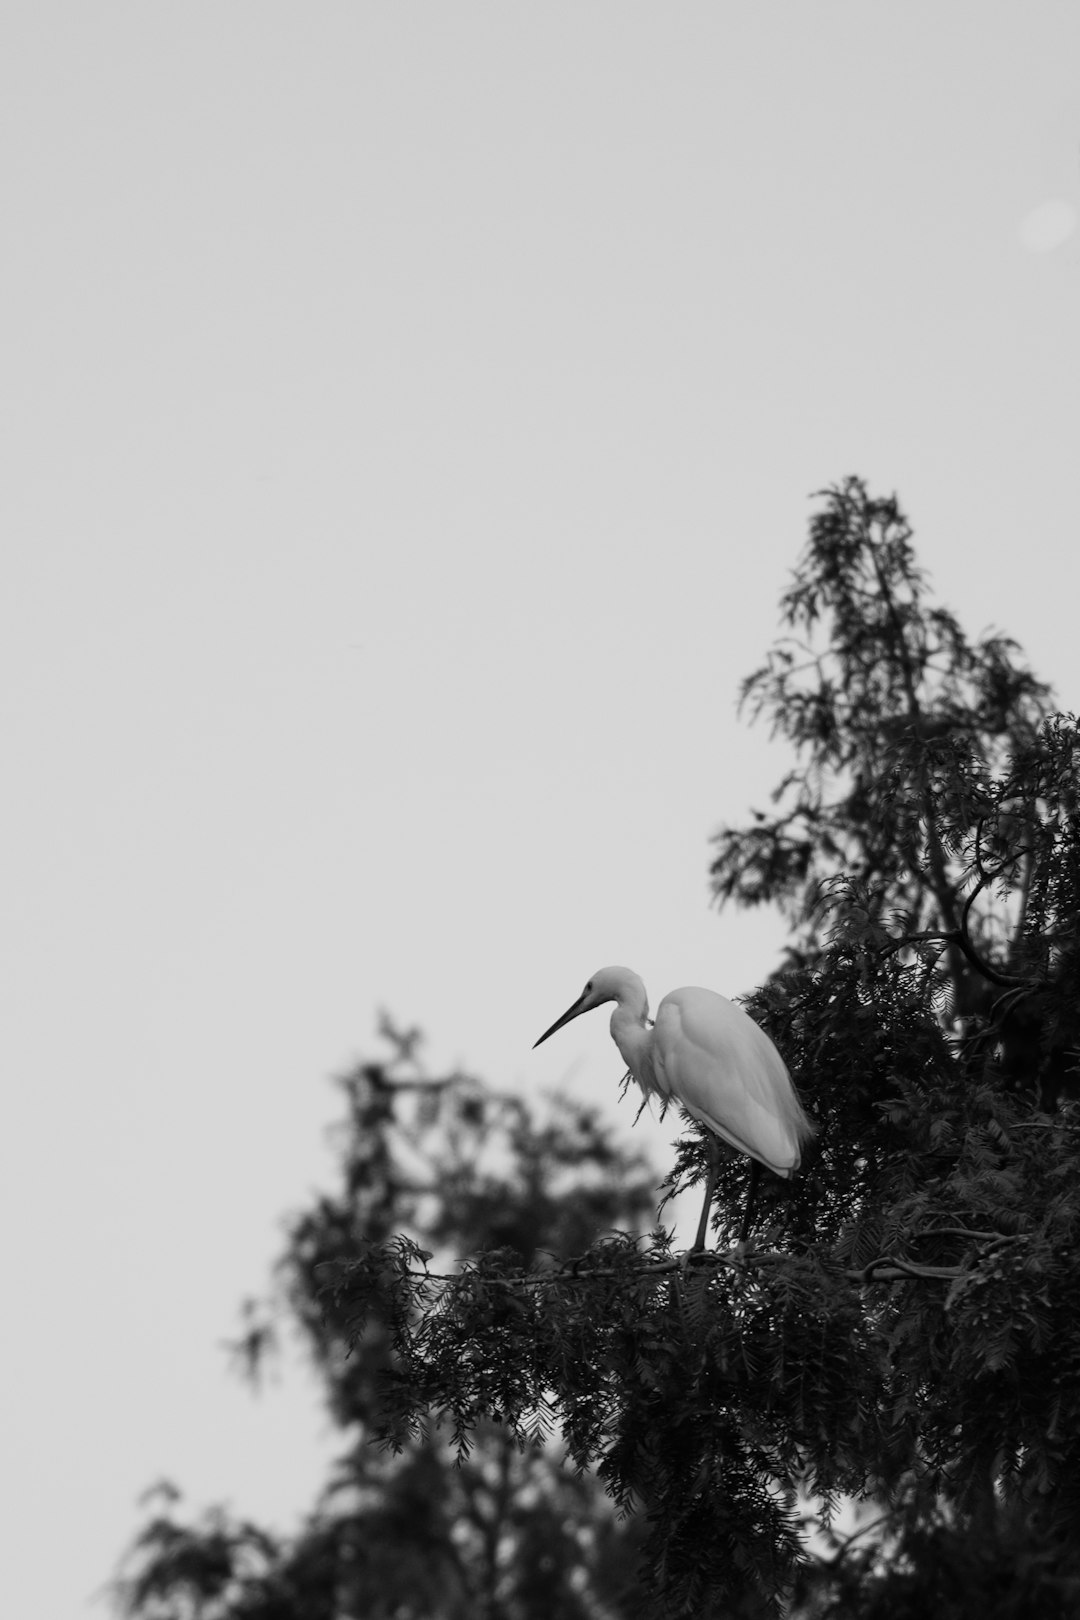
[(886, 1268), (963, 1231)]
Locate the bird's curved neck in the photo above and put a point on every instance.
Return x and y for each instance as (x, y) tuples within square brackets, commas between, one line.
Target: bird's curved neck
[(629, 1023)]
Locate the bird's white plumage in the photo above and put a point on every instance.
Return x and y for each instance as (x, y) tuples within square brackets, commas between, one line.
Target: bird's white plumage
[(709, 1056)]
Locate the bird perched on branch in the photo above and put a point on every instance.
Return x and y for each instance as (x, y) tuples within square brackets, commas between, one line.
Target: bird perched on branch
[(709, 1056)]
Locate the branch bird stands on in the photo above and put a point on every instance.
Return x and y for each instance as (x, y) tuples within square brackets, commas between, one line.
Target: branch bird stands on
[(716, 1063)]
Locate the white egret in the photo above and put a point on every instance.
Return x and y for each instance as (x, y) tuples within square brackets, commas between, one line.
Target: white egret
[(710, 1057)]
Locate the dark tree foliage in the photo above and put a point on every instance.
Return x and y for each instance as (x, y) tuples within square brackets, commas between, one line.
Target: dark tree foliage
[(905, 1326), (506, 1533)]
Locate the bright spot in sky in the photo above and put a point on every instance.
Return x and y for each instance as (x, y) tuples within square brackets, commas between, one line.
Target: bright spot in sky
[(1047, 226)]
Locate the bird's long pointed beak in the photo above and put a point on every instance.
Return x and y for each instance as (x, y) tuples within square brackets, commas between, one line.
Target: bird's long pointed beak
[(571, 1012)]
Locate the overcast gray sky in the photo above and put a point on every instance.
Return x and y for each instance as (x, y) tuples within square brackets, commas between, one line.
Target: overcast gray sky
[(409, 415)]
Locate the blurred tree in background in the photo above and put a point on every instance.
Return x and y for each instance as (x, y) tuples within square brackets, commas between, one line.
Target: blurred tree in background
[(904, 1327), (502, 1532)]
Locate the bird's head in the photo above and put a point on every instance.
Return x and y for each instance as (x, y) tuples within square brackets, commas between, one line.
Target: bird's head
[(610, 984)]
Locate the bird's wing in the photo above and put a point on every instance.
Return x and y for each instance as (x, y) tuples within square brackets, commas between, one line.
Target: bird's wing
[(728, 1075)]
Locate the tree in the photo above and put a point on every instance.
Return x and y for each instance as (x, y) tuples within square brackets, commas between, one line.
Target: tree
[(906, 1326), (499, 1532)]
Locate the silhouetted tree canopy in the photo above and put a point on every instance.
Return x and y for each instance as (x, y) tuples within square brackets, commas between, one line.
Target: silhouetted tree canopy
[(904, 1327), (504, 1531)]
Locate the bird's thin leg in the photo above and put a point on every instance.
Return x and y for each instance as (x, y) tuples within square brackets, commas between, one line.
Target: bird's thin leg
[(755, 1176), (710, 1187)]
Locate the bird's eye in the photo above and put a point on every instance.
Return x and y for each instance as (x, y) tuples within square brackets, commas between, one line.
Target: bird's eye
[(588, 987)]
